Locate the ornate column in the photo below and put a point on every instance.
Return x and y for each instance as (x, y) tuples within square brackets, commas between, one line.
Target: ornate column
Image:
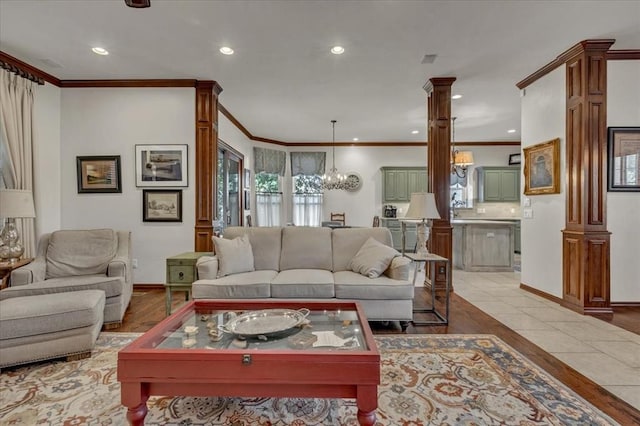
[(585, 239), (206, 160), (439, 169)]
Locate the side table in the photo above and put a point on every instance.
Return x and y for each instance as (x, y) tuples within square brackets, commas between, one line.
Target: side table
[(7, 267), (431, 260), (181, 273)]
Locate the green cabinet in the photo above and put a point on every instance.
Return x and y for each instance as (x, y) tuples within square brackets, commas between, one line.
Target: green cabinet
[(398, 183), (181, 273), (411, 234), (498, 184), (517, 238)]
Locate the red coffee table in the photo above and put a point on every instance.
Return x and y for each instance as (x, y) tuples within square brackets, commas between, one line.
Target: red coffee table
[(157, 363)]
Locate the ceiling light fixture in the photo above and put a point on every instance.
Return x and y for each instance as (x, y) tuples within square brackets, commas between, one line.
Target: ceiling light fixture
[(100, 51), (226, 50), (456, 96), (356, 139), (511, 131), (337, 50), (334, 180), (460, 160), (415, 132)]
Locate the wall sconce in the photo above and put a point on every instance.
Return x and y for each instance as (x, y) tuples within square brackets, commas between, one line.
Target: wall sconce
[(460, 160)]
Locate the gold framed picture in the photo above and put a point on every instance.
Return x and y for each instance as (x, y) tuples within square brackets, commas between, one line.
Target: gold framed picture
[(542, 168)]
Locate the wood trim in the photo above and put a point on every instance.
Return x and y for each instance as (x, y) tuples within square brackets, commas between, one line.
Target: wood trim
[(273, 141), (128, 83), (623, 54), (562, 59), (622, 304), (149, 286), (29, 69), (234, 120), (541, 293)]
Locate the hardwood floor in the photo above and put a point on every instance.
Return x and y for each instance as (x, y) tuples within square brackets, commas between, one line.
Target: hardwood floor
[(147, 308)]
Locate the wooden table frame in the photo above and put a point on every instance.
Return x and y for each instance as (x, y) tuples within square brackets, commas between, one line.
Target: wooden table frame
[(144, 371)]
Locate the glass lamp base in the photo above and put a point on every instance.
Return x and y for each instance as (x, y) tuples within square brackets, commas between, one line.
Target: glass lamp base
[(11, 249)]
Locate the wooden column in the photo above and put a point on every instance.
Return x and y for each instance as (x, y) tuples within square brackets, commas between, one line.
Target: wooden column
[(439, 169), (206, 160), (585, 239)]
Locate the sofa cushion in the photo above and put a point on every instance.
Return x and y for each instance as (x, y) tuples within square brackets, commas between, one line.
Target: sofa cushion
[(266, 243), (111, 286), (301, 283), (347, 241), (234, 256), (306, 248), (373, 258), (35, 315), (351, 285), (80, 252), (246, 285)]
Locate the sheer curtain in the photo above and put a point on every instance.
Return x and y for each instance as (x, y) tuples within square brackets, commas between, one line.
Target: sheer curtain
[(269, 209), (306, 169), (307, 209), (269, 168), (16, 124)]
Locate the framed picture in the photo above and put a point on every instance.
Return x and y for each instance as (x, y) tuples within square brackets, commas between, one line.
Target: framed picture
[(162, 205), (623, 162), (542, 168), (247, 178), (162, 165), (247, 199), (98, 174), (514, 159)]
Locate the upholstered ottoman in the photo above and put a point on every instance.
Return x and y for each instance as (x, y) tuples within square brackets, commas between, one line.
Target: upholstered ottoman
[(34, 328)]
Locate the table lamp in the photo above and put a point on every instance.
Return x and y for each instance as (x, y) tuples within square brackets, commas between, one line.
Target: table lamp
[(422, 207), (13, 203)]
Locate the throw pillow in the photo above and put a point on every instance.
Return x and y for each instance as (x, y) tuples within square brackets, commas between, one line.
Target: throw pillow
[(234, 256), (373, 258)]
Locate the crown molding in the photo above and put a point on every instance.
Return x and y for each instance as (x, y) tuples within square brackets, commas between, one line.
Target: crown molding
[(623, 54), (129, 83), (29, 69)]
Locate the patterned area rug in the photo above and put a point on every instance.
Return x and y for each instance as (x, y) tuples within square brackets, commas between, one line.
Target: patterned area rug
[(426, 379)]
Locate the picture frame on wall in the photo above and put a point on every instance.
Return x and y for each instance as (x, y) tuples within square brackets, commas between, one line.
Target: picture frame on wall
[(247, 199), (515, 159), (162, 165), (162, 205), (247, 178), (99, 174), (623, 161), (542, 168)]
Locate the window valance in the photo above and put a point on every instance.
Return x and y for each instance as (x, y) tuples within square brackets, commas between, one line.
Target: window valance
[(307, 163), (269, 161)]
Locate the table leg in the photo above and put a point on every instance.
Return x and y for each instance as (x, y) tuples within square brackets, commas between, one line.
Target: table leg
[(136, 415), (367, 405), (168, 301), (134, 396)]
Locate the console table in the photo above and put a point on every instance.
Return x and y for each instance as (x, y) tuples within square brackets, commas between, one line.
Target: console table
[(181, 273), (431, 260)]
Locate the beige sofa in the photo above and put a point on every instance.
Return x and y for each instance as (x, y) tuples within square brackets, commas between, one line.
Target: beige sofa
[(76, 260), (312, 264)]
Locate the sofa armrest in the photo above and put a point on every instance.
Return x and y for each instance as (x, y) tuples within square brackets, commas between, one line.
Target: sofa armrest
[(31, 273), (118, 267), (399, 268), (207, 267)]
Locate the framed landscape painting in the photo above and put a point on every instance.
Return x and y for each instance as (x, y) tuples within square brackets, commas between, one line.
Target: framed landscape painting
[(98, 174), (161, 165), (623, 161), (542, 168), (162, 205)]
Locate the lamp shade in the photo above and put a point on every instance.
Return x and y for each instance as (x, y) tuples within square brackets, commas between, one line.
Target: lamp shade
[(16, 203), (463, 158), (422, 206)]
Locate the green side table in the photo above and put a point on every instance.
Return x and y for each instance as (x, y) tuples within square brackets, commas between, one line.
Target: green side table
[(181, 273)]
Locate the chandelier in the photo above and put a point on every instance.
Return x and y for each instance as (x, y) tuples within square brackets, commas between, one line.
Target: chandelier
[(334, 180), (460, 160)]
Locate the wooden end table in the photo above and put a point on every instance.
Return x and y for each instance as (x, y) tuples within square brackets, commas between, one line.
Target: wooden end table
[(181, 273), (7, 267)]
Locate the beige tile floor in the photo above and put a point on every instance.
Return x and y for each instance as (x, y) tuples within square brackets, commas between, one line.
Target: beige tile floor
[(608, 355)]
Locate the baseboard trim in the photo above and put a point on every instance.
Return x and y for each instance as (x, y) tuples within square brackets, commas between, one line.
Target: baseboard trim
[(540, 293), (629, 304), (148, 286)]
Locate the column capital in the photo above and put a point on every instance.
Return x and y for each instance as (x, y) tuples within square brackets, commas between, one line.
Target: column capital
[(437, 81)]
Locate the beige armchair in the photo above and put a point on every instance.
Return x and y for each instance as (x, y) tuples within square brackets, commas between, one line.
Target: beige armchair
[(74, 260)]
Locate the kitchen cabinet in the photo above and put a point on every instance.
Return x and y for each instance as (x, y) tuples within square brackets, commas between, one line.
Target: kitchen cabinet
[(411, 234), (483, 245), (398, 183), (498, 184), (517, 238)]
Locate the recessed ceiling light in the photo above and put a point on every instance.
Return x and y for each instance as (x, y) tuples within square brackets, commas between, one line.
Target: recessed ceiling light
[(100, 51), (226, 50), (456, 96), (356, 139), (511, 131), (415, 132), (337, 50)]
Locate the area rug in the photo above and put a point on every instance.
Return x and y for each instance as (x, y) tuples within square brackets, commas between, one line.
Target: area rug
[(426, 379)]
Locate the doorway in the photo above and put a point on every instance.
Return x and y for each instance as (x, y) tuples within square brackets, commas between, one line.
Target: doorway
[(229, 204)]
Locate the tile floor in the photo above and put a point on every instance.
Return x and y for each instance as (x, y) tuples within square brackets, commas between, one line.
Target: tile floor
[(608, 355)]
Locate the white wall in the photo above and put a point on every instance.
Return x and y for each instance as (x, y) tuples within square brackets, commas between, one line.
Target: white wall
[(46, 158), (543, 119), (623, 208), (112, 121)]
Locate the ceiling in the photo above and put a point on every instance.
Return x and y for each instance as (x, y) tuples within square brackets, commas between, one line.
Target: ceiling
[(283, 83)]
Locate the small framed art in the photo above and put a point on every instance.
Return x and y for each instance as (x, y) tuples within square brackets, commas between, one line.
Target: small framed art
[(162, 165), (542, 168), (623, 161), (514, 159), (162, 205), (98, 174), (247, 199), (247, 178)]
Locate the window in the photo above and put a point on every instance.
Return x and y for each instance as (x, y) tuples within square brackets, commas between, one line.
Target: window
[(307, 200), (268, 199)]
